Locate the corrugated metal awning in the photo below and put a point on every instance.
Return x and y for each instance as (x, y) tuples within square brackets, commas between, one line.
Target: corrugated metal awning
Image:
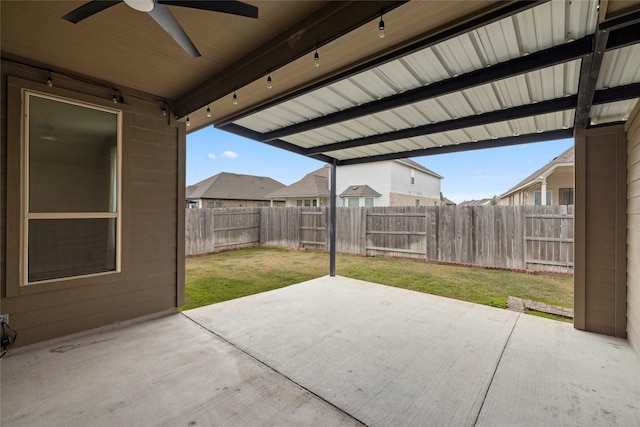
[(535, 72)]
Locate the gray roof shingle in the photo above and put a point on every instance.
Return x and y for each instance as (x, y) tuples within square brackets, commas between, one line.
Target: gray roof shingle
[(360, 191), (232, 186), (314, 184)]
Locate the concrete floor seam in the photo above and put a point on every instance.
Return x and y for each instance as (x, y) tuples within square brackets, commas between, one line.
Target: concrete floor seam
[(272, 369), (493, 375)]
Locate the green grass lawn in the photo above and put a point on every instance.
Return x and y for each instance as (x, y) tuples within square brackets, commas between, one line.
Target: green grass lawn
[(234, 274)]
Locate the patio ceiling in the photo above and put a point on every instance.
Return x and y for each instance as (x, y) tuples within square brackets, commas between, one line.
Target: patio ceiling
[(448, 76), (526, 72), (123, 48)]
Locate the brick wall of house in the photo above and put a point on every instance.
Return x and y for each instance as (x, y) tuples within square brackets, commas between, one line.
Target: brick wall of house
[(396, 199)]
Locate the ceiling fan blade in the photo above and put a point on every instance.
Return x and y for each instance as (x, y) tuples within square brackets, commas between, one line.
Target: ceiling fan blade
[(231, 7), (167, 21), (89, 9)]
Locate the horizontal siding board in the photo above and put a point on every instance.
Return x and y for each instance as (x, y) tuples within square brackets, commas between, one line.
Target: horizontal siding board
[(147, 283), (154, 151), (146, 162), (146, 188), (119, 313), (153, 202), (153, 176), (156, 137), (74, 312)]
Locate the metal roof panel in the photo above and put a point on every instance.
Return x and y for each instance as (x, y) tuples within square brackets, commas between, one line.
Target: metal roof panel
[(620, 67), (612, 112)]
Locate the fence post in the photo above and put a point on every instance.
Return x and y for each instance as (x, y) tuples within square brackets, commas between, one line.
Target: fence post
[(363, 231)]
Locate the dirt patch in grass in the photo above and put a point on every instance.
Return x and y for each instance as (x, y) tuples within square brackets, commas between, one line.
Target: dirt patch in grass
[(228, 275)]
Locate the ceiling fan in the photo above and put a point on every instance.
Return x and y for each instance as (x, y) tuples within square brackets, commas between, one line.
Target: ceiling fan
[(160, 13)]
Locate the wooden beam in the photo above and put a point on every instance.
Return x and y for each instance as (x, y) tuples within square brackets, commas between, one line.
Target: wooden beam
[(327, 24)]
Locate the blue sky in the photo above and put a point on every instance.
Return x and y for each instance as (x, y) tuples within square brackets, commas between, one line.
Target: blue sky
[(469, 175)]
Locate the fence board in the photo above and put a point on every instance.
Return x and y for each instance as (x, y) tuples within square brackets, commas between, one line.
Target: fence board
[(280, 227), (549, 238), (209, 230), (313, 228), (396, 232)]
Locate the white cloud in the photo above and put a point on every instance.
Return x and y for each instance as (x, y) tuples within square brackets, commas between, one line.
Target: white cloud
[(229, 155), (211, 156)]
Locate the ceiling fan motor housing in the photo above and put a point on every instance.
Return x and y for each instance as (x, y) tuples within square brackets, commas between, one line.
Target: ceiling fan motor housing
[(141, 5)]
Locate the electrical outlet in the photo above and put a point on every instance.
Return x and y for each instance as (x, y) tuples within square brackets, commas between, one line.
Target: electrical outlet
[(4, 318)]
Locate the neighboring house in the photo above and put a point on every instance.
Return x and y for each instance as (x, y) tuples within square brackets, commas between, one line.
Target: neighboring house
[(228, 190), (446, 202), (400, 182), (312, 190), (359, 195), (388, 183), (552, 184), (481, 202)]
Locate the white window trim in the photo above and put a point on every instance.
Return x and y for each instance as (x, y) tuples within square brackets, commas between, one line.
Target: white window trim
[(549, 199), (24, 196)]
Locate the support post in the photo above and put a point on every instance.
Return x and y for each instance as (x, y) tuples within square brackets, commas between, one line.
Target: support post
[(332, 221)]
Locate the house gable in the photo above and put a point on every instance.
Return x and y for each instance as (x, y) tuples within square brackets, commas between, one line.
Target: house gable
[(557, 177)]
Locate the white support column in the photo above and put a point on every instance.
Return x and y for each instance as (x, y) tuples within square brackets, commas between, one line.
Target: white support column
[(543, 191)]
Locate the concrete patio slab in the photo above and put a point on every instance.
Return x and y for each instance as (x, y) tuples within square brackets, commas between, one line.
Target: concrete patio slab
[(328, 352), (554, 375), (387, 356), (163, 372)]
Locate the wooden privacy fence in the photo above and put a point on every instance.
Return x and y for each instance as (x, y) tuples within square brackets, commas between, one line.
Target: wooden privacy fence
[(515, 237)]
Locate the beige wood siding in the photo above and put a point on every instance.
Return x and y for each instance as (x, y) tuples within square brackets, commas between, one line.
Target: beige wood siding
[(152, 276), (633, 229), (600, 231)]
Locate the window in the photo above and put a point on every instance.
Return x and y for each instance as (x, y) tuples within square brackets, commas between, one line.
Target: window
[(307, 202), (538, 197), (354, 202), (298, 202), (315, 202), (71, 197), (413, 177), (566, 196), (368, 202)]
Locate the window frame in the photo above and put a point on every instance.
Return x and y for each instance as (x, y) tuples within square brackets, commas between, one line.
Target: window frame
[(26, 215), (564, 190), (549, 198)]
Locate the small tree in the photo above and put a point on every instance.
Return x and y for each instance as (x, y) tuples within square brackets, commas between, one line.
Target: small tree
[(494, 201)]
